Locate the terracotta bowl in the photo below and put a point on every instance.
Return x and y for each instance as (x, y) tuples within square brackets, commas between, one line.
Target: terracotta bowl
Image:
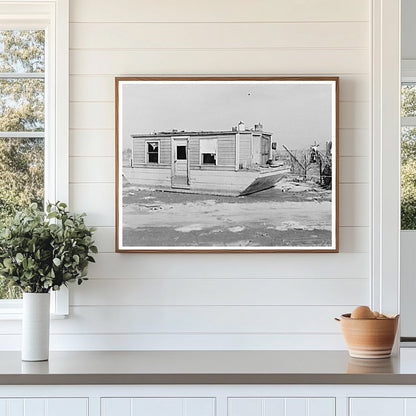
[(369, 338)]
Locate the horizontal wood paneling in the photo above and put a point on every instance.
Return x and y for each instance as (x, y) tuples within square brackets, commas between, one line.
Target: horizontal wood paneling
[(101, 88), (97, 169), (200, 319), (301, 61), (92, 115), (270, 301), (217, 292), (184, 341), (354, 205), (219, 11), (195, 320), (354, 142), (100, 115), (354, 87), (218, 35), (354, 170), (96, 199), (105, 238), (354, 239), (189, 266), (353, 115), (94, 143)]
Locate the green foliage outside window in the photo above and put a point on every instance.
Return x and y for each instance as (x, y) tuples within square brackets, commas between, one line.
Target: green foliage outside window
[(21, 110), (408, 104), (408, 179), (408, 159)]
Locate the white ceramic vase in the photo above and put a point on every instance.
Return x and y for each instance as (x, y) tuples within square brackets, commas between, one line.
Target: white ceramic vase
[(35, 326)]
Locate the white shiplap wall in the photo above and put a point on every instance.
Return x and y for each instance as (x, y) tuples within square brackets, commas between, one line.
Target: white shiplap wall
[(214, 301)]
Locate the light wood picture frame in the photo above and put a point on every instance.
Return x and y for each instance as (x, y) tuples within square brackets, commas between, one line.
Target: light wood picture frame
[(227, 164)]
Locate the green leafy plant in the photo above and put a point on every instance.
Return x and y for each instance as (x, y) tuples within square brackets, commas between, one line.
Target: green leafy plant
[(42, 251)]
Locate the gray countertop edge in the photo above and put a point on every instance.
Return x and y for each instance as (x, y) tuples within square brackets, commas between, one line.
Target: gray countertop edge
[(129, 379)]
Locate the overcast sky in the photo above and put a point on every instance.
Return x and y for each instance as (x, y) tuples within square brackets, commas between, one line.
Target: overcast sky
[(296, 114)]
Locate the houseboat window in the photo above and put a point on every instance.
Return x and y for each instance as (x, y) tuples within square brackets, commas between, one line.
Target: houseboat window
[(180, 152), (209, 159), (208, 150), (153, 152)]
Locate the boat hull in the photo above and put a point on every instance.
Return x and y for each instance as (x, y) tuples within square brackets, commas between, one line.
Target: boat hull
[(214, 182)]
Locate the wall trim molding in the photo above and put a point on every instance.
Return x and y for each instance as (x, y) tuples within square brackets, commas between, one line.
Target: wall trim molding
[(385, 169)]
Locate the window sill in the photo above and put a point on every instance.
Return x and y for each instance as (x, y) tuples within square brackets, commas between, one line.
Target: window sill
[(17, 315), (11, 309)]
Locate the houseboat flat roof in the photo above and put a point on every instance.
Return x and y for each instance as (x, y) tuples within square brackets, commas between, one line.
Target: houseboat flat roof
[(196, 133)]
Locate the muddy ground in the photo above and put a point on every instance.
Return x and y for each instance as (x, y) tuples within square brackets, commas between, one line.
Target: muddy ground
[(290, 214)]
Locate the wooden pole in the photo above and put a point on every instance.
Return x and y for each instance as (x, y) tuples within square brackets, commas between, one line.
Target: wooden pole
[(294, 157)]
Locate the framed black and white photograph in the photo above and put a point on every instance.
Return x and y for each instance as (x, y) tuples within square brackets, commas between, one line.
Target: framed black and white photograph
[(227, 164)]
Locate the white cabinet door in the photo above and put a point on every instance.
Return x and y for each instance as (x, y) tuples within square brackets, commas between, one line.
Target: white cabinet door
[(44, 407), (272, 406), (11, 407), (155, 406), (382, 406), (67, 407)]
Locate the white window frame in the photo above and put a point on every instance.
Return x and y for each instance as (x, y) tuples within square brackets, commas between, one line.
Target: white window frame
[(53, 17), (146, 153), (408, 72), (385, 169), (408, 75), (201, 153)]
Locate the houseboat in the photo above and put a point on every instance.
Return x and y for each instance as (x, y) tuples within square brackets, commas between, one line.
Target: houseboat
[(238, 161)]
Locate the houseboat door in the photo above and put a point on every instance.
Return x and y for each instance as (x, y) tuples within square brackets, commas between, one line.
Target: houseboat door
[(180, 163)]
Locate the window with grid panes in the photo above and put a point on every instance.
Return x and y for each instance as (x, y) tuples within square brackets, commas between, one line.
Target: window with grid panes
[(22, 124), (408, 155)]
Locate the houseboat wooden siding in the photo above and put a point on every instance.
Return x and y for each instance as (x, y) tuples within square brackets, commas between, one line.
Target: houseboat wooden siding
[(194, 155), (224, 162), (226, 150), (226, 156), (245, 144), (139, 150), (225, 146)]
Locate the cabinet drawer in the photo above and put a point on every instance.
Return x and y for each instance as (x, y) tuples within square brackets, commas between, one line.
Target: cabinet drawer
[(277, 406), (44, 407), (378, 406), (158, 406)]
